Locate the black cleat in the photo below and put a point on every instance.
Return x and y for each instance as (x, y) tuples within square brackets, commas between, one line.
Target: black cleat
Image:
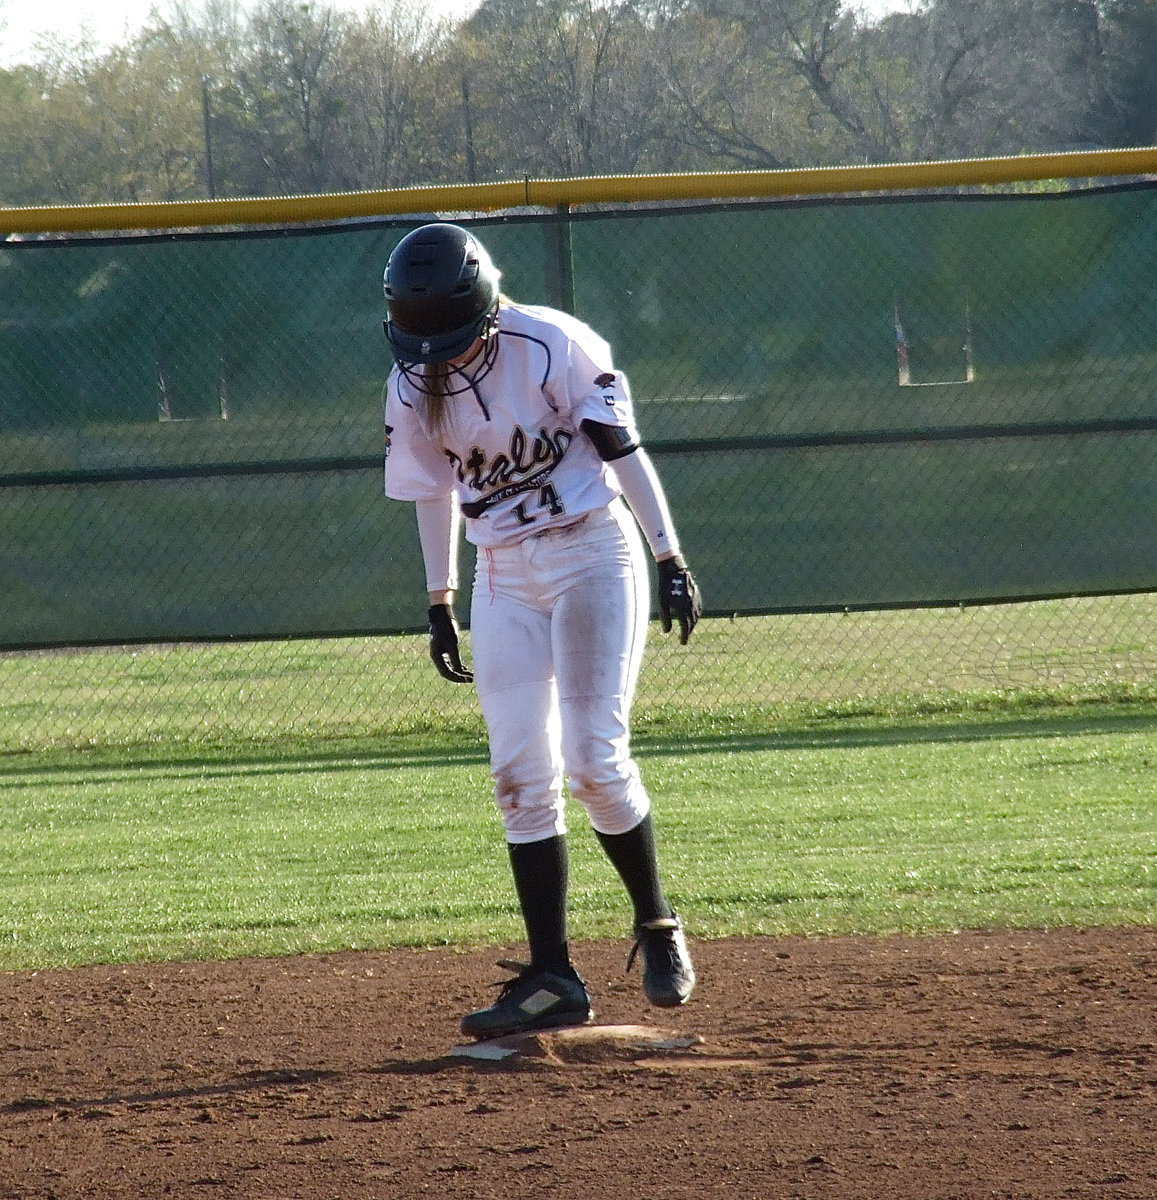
[(531, 1000), (668, 976)]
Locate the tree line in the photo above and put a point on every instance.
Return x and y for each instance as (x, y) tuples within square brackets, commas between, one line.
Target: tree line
[(292, 98)]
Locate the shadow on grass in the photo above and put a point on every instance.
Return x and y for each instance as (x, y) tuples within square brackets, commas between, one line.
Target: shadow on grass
[(295, 759), (909, 731), (461, 749)]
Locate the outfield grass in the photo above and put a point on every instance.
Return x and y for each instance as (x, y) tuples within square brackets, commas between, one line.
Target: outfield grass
[(744, 674), (1025, 814)]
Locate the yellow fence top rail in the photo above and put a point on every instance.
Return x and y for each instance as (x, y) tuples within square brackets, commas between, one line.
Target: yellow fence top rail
[(550, 193)]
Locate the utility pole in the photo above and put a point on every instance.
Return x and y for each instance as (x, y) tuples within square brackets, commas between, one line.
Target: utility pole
[(210, 181), (468, 118)]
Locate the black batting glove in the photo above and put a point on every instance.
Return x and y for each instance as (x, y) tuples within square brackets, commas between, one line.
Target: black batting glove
[(444, 645), (679, 597)]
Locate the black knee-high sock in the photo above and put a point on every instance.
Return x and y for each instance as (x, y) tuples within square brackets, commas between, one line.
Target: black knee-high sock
[(540, 878), (637, 862)]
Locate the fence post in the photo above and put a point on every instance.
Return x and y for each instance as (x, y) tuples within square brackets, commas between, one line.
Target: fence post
[(559, 250)]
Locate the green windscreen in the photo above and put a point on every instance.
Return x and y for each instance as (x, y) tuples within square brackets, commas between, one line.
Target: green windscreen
[(853, 404)]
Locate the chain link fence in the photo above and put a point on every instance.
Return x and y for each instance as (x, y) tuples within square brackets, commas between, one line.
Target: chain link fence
[(909, 441), (736, 676)]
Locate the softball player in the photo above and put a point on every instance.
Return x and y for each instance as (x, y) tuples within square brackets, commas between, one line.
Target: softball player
[(514, 418)]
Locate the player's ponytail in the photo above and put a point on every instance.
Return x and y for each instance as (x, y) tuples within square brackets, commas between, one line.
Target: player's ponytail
[(437, 388)]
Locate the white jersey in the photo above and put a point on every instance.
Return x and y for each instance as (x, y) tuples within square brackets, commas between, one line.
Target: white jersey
[(509, 449)]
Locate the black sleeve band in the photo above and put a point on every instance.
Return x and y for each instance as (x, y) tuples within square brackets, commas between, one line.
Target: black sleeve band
[(611, 441)]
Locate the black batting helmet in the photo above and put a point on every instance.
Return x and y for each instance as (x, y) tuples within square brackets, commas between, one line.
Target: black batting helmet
[(441, 291)]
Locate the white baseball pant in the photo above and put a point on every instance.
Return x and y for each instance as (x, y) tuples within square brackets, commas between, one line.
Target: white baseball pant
[(558, 624)]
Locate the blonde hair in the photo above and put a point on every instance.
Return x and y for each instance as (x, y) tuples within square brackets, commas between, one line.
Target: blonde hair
[(436, 378)]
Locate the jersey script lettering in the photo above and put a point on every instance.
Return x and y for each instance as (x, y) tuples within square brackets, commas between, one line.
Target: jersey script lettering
[(526, 455)]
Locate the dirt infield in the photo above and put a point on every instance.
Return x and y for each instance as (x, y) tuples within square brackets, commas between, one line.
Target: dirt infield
[(1019, 1064)]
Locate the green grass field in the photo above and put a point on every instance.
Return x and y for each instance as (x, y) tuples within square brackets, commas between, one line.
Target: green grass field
[(861, 772), (1030, 814), (736, 676)]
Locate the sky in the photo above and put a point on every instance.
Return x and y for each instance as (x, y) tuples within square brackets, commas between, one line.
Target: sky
[(112, 21)]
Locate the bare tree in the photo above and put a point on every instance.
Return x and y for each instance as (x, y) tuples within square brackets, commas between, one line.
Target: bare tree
[(291, 83), (1124, 110), (563, 86), (393, 72), (294, 97), (771, 83)]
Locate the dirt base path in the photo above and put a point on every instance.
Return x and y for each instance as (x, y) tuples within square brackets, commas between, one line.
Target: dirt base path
[(1019, 1064)]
